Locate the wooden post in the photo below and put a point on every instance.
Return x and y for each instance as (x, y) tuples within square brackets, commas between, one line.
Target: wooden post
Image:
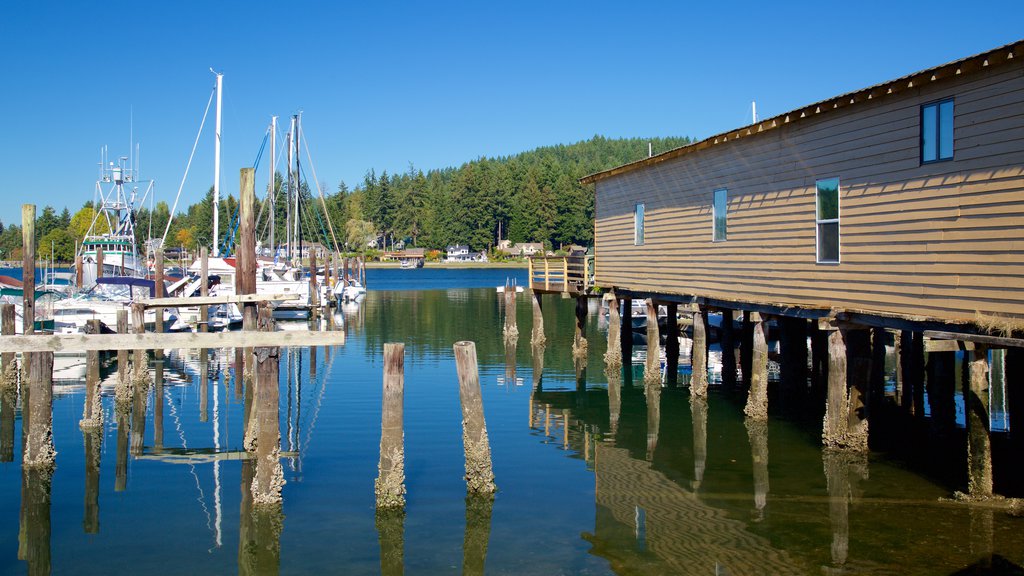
[(843, 426), (652, 369), (626, 333), (204, 288), (941, 389), (390, 484), (269, 479), (672, 346), (247, 245), (92, 413), (78, 271), (876, 378), (28, 267), (9, 377), (979, 445), (8, 388), (757, 395), (122, 389), (579, 344), (698, 356), (510, 332), (746, 348), (537, 337), (99, 262), (479, 474), (39, 450), (1014, 393), (727, 339), (613, 352)]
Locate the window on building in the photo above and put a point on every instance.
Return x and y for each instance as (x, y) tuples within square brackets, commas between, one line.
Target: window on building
[(937, 131), (638, 225), (827, 219), (720, 212)]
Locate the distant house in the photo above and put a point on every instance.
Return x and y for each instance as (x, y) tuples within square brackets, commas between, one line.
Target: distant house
[(528, 248), (461, 253), (412, 258)]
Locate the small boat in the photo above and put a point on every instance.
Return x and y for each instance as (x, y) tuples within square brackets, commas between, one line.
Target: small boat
[(104, 300)]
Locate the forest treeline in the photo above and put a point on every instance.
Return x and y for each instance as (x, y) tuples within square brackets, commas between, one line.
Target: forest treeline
[(533, 196)]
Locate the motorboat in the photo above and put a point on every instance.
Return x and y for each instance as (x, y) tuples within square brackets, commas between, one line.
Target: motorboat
[(103, 301)]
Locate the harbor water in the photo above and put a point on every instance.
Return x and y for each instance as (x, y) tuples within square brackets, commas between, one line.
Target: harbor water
[(596, 473)]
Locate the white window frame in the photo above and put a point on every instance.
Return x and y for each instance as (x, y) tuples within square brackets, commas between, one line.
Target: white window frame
[(715, 215), (639, 211), (819, 221)]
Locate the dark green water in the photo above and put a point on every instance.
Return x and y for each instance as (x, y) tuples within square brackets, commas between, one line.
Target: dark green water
[(590, 481)]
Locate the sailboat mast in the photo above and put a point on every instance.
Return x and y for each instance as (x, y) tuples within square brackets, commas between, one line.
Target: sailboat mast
[(298, 187), (273, 181), (216, 173), (288, 197)]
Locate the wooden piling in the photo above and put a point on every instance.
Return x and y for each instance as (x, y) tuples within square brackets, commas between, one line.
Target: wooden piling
[(39, 450), (757, 396), (979, 444), (698, 355), (389, 486), (626, 333), (727, 339), (836, 408), (746, 348), (140, 364), (510, 331), (247, 245), (672, 347), (613, 352), (652, 368), (9, 376), (941, 386), (99, 262), (537, 337), (479, 474), (269, 478), (78, 271), (8, 403), (858, 348), (28, 267), (92, 413), (204, 288), (123, 386), (579, 344)]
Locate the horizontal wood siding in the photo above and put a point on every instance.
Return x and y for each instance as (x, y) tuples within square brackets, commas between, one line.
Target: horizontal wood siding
[(942, 240)]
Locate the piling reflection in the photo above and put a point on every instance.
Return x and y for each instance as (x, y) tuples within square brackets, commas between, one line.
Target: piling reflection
[(204, 385), (843, 472), (158, 403), (390, 524), (757, 433), (93, 440), (259, 530), (614, 398), (138, 427), (699, 418), (652, 393), (121, 463), (34, 538), (478, 533)]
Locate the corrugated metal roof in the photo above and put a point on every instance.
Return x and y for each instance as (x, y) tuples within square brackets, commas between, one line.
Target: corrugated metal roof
[(964, 66)]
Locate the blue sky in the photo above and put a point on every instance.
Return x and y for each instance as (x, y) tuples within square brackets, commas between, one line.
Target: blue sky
[(385, 84)]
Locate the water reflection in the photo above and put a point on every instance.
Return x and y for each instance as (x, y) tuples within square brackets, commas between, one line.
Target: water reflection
[(478, 533), (93, 444), (34, 538), (390, 524)]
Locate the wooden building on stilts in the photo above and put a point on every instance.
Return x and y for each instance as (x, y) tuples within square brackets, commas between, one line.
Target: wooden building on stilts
[(892, 213)]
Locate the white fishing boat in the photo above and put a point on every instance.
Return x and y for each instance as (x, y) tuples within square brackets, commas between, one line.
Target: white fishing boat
[(112, 230)]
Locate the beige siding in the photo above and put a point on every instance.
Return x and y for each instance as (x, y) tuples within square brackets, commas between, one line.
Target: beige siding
[(942, 240)]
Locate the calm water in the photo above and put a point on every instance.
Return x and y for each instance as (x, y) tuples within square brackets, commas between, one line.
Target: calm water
[(592, 479)]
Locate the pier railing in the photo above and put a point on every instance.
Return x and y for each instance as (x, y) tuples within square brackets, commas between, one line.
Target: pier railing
[(568, 274)]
